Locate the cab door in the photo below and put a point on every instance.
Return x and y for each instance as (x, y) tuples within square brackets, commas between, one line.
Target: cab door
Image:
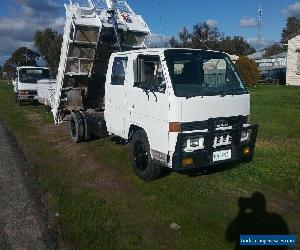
[(115, 103), (148, 101)]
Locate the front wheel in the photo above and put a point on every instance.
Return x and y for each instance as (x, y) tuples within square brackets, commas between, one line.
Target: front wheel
[(18, 101), (142, 162)]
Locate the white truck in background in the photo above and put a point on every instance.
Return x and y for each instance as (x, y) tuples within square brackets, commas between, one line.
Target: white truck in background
[(26, 82), (178, 108)]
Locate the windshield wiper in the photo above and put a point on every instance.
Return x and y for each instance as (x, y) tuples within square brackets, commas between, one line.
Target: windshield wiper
[(220, 92), (223, 93)]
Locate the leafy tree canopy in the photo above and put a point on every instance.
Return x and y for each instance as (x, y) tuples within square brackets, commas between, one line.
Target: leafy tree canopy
[(236, 45), (48, 43), (21, 57), (275, 49), (291, 29), (206, 37)]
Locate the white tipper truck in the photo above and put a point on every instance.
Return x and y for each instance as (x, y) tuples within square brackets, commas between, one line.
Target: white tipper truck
[(178, 108)]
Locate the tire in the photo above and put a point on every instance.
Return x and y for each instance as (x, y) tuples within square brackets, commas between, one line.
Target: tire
[(77, 130), (142, 162), (18, 101), (248, 159)]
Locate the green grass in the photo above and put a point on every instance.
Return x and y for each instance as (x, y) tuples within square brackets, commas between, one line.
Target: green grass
[(138, 217)]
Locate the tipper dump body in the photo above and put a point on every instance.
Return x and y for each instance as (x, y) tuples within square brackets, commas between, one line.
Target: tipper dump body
[(94, 29)]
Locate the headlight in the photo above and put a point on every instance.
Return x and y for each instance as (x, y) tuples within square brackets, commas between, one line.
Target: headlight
[(23, 92), (245, 135), (194, 143)]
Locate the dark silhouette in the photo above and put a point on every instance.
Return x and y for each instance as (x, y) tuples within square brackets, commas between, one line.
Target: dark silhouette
[(253, 219)]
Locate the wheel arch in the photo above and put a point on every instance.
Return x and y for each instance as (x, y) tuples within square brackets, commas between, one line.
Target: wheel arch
[(132, 129)]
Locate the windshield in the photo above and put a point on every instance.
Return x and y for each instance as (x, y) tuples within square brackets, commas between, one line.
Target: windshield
[(203, 73), (32, 75)]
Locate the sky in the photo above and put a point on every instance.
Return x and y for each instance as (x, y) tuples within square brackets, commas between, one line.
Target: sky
[(19, 19)]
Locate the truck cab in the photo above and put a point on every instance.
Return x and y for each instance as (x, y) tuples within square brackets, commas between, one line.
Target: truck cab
[(25, 84), (179, 108)]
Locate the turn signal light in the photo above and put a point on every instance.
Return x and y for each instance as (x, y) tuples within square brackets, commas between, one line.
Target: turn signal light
[(246, 150), (187, 162), (174, 127)]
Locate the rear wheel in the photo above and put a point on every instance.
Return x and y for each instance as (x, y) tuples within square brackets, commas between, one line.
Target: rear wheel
[(77, 130), (142, 162)]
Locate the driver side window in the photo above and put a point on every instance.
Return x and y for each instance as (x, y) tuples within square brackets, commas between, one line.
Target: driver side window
[(152, 74)]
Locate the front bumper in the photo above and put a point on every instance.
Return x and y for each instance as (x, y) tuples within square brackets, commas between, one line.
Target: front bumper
[(204, 158), (30, 97)]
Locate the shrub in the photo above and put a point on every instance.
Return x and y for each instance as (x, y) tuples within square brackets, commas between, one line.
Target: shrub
[(248, 70)]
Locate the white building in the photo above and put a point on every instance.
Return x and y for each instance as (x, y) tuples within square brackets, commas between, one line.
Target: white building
[(293, 62)]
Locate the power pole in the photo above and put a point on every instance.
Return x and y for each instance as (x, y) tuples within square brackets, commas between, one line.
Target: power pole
[(160, 23), (259, 24)]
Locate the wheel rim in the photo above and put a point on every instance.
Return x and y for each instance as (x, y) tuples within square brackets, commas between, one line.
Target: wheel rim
[(140, 155)]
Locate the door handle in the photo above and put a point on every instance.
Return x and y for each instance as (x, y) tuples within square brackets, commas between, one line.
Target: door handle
[(131, 107)]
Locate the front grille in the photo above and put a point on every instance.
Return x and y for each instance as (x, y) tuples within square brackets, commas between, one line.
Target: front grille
[(222, 140), (229, 122), (32, 92), (190, 126), (215, 124)]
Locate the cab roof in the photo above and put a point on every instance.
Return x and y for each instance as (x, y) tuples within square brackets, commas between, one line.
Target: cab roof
[(161, 50)]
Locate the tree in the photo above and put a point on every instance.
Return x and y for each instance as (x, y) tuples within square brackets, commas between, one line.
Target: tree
[(1, 72), (21, 57), (291, 30), (185, 38), (207, 37), (24, 57), (236, 45), (174, 43), (48, 43), (275, 49), (248, 70), (202, 37)]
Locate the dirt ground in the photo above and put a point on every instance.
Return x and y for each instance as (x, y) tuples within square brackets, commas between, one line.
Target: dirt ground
[(78, 156)]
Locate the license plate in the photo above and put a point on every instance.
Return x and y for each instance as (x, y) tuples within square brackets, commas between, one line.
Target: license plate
[(222, 155)]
